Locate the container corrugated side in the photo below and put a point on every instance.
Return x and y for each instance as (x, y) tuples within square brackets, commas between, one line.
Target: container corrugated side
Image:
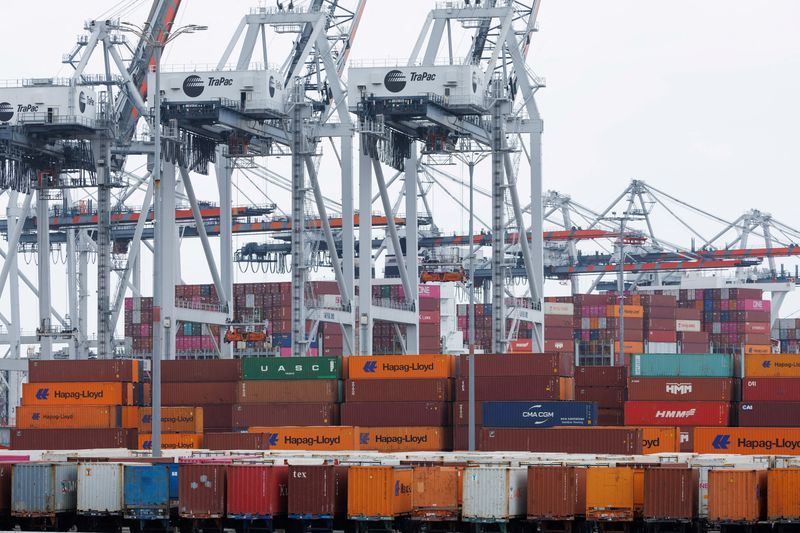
[(129, 370), (772, 365), (609, 440), (146, 491), (302, 391), (783, 486), (437, 492), (202, 490), (539, 414), (291, 368), (79, 393), (5, 486), (610, 494), (400, 367), (387, 390), (747, 441), (494, 493), (397, 414), (683, 389), (379, 492), (317, 491), (684, 365), (670, 493), (737, 495), (68, 416), (403, 439), (257, 491), (100, 488), (72, 439), (201, 370), (43, 489), (321, 438), (556, 492)]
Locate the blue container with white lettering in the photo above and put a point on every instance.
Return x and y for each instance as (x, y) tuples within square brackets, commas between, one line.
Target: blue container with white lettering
[(535, 414)]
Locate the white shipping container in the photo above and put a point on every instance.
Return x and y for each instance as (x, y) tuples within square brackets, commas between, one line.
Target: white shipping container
[(495, 493), (100, 488), (687, 325), (253, 90), (459, 85), (47, 103), (557, 308), (662, 347)]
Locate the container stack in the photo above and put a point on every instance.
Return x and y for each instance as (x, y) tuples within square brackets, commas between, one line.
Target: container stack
[(787, 332), (770, 391), (682, 390), (400, 402), (559, 325), (597, 327), (605, 386), (79, 404), (505, 380), (288, 391), (689, 330), (660, 333)]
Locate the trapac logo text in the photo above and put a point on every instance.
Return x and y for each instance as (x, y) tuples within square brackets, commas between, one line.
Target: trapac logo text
[(78, 395), (679, 389), (423, 76), (676, 414), (27, 108), (221, 81)]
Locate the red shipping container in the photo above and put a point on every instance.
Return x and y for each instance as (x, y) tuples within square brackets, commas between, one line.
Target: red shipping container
[(661, 336), (551, 332), (429, 317), (600, 376), (771, 389), (201, 490), (558, 321), (387, 390), (694, 347), (611, 417), (658, 300), (755, 327), (391, 414), (318, 491), (602, 440), (73, 439), (660, 324), (520, 388), (201, 370), (693, 337), (560, 346), (546, 364), (92, 370), (606, 397), (683, 389), (683, 313), (257, 491), (677, 413), (236, 441), (180, 394), (660, 313), (461, 413), (284, 414), (768, 414)]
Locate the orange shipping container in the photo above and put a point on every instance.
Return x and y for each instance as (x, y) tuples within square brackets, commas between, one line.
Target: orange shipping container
[(99, 393), (631, 311), (747, 441), (379, 492), (68, 417), (783, 498), (761, 349), (436, 493), (661, 440), (772, 366), (324, 438), (630, 347), (610, 494), (397, 439), (173, 419), (737, 495), (172, 441), (400, 367)]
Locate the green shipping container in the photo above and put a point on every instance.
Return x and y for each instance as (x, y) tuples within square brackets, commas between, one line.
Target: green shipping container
[(294, 368), (712, 365)]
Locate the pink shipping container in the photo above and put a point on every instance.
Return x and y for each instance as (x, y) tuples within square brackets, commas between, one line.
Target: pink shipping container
[(257, 491)]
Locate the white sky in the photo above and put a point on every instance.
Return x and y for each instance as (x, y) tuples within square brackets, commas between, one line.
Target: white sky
[(696, 98)]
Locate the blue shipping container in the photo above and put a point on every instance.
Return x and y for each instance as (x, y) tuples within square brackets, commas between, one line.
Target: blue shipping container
[(146, 491), (174, 484), (535, 414)]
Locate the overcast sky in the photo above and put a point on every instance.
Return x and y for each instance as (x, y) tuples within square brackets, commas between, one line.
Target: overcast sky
[(696, 98)]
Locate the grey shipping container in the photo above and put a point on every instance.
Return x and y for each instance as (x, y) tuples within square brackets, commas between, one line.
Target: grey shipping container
[(44, 489)]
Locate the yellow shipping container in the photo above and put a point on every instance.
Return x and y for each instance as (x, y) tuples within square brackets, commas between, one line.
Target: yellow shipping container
[(772, 365)]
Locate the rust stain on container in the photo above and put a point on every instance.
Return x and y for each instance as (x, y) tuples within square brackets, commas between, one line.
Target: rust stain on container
[(737, 495), (610, 494), (670, 493), (436, 493), (556, 492), (317, 491)]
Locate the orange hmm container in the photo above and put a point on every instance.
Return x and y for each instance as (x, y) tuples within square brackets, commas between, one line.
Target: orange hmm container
[(661, 440), (400, 366), (436, 493), (172, 441), (783, 500), (324, 438), (610, 494), (405, 439), (379, 492), (737, 495), (88, 393), (68, 417)]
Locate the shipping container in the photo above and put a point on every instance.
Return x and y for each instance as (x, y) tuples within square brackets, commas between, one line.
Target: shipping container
[(522, 388), (202, 490), (172, 441), (303, 391), (397, 414), (683, 365), (109, 370), (321, 438), (400, 367), (201, 370), (771, 389), (72, 439), (556, 492), (317, 491), (772, 366), (684, 389), (661, 440), (291, 368), (529, 364), (624, 441), (68, 416), (737, 495), (81, 393), (285, 414), (610, 494), (768, 414), (403, 439), (677, 413), (6, 467), (600, 376), (539, 414), (100, 488), (257, 491), (783, 494), (198, 393), (437, 493), (379, 492), (146, 491), (173, 419), (43, 489), (217, 417), (670, 494), (461, 413), (604, 397), (494, 494), (385, 390), (747, 441), (235, 441)]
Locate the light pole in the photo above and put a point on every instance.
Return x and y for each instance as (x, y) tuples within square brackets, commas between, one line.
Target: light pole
[(158, 38)]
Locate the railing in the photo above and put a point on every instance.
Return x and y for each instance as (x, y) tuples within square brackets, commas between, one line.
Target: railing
[(212, 67), (404, 62), (57, 120)]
